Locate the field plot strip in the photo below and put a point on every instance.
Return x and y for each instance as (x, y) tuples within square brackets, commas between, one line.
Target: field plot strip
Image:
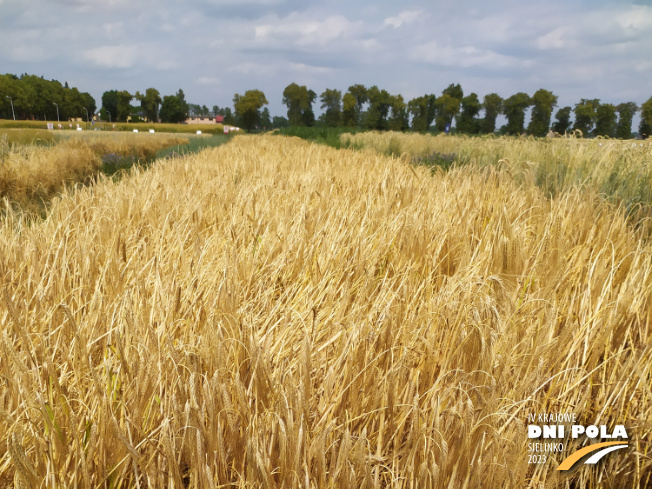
[(277, 313)]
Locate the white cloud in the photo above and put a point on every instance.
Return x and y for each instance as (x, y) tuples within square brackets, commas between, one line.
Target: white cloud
[(309, 69), (299, 30), (250, 69), (119, 56), (637, 19), (208, 80), (555, 39), (405, 17), (464, 56), (113, 29)]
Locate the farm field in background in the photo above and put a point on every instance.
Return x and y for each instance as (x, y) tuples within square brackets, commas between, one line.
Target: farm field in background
[(275, 313), (36, 165), (619, 170), (119, 126)]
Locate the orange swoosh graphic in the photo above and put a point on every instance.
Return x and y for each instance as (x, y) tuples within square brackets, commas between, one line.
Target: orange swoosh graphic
[(571, 459)]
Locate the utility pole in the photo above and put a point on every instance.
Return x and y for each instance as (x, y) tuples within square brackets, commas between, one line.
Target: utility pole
[(57, 111), (12, 106)]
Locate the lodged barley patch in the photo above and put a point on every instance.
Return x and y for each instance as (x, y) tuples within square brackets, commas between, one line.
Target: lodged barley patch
[(272, 313)]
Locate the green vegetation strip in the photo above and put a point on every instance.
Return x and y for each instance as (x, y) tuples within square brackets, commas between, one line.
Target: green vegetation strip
[(195, 145)]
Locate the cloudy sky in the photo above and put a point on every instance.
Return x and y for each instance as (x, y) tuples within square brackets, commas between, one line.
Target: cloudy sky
[(213, 49)]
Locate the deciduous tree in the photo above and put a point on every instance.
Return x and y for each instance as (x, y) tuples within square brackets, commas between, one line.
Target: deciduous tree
[(124, 105), (492, 105), (605, 120), (174, 108), (110, 103), (448, 105), (150, 103), (423, 110), (626, 113), (467, 121), (585, 115), (563, 120), (398, 120), (349, 110), (645, 126), (247, 108), (331, 100), (299, 100), (380, 102), (359, 91), (514, 109), (543, 102)]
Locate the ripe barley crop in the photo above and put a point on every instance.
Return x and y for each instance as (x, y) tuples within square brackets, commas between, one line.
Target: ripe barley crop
[(620, 170), (272, 313), (31, 174)]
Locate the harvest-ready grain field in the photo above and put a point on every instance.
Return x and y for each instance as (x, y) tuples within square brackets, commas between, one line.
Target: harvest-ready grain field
[(36, 165), (273, 313)]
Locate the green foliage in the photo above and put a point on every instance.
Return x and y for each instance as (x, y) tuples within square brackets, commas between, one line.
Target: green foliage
[(265, 119), (454, 91), (323, 135), (247, 108), (349, 110), (398, 120), (626, 113), (423, 110), (308, 114), (110, 104), (563, 122), (36, 98), (380, 102), (359, 92), (299, 100), (514, 109), (467, 122), (645, 126), (195, 144), (543, 102), (331, 100), (605, 124), (150, 103), (493, 105), (447, 108), (173, 109), (585, 115), (124, 106), (279, 122), (448, 105)]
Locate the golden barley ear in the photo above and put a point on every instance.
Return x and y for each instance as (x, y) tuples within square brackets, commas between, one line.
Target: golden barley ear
[(25, 472)]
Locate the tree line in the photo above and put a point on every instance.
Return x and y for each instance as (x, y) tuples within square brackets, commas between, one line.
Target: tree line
[(374, 108), (35, 98), (362, 107)]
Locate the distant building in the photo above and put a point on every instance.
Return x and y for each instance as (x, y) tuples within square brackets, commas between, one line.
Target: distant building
[(205, 120)]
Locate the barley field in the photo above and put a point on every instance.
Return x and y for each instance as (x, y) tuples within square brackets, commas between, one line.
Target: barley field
[(36, 165), (274, 313), (619, 170), (68, 126)]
